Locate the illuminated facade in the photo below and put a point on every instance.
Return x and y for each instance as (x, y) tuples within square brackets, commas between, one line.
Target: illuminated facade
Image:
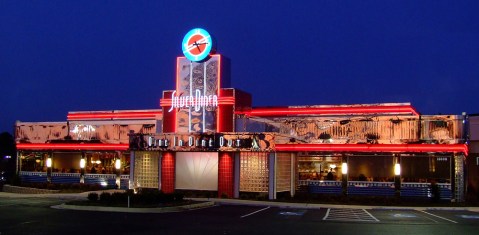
[(208, 137)]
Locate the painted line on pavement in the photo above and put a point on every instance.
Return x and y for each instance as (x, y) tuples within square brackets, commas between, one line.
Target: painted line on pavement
[(367, 212), (437, 216), (254, 212), (327, 214)]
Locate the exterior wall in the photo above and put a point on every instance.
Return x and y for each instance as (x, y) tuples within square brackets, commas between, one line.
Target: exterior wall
[(105, 132), (472, 174), (363, 129), (40, 132), (472, 161)]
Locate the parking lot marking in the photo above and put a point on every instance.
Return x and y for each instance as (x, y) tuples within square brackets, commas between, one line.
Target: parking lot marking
[(371, 215), (437, 216), (346, 214), (469, 216), (293, 213), (403, 215), (254, 212)]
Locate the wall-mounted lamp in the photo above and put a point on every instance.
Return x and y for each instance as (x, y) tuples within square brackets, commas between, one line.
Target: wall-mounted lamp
[(82, 170), (117, 164), (49, 162), (82, 163), (49, 169), (344, 168), (397, 169)]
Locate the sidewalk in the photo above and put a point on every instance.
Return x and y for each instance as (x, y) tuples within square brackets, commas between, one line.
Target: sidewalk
[(83, 196)]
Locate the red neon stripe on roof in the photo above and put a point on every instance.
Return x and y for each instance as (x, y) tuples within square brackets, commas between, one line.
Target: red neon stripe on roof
[(418, 148), (110, 115), (268, 112), (67, 146)]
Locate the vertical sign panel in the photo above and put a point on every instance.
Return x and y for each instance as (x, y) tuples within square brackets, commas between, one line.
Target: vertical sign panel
[(197, 92)]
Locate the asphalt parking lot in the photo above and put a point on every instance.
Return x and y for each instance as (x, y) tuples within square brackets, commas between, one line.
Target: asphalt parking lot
[(34, 215), (357, 215)]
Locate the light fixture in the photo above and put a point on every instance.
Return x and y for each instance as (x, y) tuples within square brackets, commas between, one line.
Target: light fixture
[(344, 168), (49, 162), (333, 166), (82, 163), (397, 169), (117, 164)]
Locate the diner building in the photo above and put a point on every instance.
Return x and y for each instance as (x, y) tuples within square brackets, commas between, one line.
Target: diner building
[(207, 136)]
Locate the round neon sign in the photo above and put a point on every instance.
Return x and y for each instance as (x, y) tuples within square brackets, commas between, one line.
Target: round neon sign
[(197, 44)]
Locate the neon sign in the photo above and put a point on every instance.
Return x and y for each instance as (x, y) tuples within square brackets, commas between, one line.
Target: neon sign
[(197, 102), (197, 44)]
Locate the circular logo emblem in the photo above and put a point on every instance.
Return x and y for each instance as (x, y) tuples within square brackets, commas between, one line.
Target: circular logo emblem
[(197, 44)]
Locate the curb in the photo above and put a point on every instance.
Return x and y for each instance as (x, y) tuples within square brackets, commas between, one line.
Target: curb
[(134, 209), (318, 206)]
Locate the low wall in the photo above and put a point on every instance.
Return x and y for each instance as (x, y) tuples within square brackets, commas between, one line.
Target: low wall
[(16, 189)]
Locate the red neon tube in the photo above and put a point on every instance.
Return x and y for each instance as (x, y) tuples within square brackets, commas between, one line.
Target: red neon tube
[(109, 115), (418, 148), (70, 146), (269, 112)]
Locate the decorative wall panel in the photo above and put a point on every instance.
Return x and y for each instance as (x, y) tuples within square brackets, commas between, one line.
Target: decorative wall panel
[(283, 172), (146, 169), (197, 170), (197, 80), (254, 172)]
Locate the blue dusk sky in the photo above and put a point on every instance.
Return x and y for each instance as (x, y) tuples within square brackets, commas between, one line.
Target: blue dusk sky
[(60, 56)]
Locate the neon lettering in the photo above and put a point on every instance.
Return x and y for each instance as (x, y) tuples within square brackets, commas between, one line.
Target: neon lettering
[(197, 101)]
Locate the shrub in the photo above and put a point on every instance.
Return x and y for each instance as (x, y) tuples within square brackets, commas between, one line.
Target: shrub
[(92, 197), (16, 180), (105, 197), (118, 197), (178, 196)]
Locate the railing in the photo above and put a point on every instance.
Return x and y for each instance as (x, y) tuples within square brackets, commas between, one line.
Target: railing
[(322, 186), (105, 180), (33, 177), (101, 179), (371, 188), (424, 190), (418, 190), (65, 178)]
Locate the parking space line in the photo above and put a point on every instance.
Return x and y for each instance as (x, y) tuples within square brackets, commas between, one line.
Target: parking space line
[(437, 216), (254, 212), (371, 215), (327, 214)]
